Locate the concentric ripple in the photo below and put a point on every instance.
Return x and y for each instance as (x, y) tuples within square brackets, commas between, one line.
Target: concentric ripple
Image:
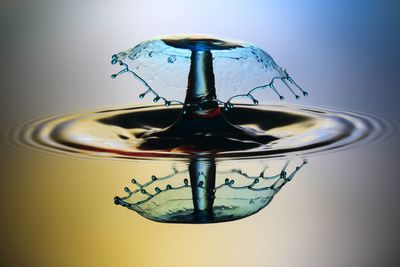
[(117, 133)]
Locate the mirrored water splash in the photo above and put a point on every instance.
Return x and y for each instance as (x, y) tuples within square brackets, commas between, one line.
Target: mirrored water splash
[(205, 193), (198, 78)]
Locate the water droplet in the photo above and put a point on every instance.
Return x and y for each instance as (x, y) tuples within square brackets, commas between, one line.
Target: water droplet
[(142, 95), (126, 189), (158, 190), (201, 183), (281, 98), (117, 200), (113, 76), (171, 59), (186, 182), (155, 100), (168, 187), (153, 178), (143, 191), (297, 97), (305, 93), (133, 181), (255, 101), (167, 103), (226, 181)]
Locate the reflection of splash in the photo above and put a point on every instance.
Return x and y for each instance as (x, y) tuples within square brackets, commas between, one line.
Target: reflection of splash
[(200, 194)]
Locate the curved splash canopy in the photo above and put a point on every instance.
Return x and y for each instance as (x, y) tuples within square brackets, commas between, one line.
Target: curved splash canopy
[(177, 69)]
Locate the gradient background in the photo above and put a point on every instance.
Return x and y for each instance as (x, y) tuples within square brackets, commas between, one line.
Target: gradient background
[(342, 210)]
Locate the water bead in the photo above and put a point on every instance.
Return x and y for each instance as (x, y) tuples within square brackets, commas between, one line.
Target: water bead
[(186, 182), (117, 201), (171, 59)]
